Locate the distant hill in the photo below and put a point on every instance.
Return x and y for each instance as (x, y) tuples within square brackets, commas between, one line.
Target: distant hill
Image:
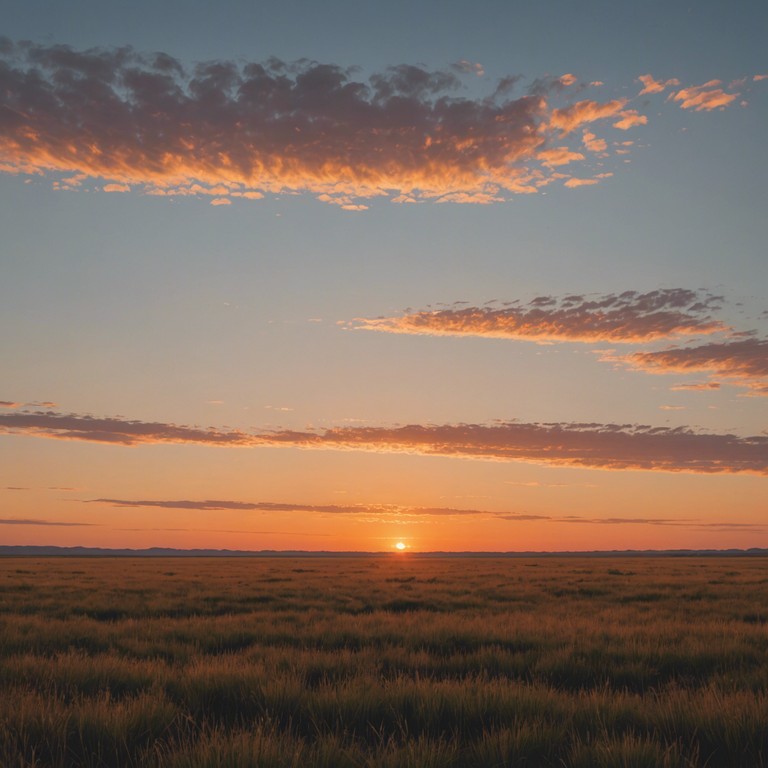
[(41, 551)]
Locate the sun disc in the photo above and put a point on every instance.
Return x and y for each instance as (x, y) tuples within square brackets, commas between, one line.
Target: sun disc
[(400, 546)]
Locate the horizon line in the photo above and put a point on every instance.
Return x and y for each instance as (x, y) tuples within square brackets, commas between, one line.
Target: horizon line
[(41, 550)]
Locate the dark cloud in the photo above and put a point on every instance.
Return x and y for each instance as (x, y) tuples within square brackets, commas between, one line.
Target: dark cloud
[(242, 130), (598, 446), (626, 318)]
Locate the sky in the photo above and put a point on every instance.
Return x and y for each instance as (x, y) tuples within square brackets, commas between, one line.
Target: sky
[(334, 276)]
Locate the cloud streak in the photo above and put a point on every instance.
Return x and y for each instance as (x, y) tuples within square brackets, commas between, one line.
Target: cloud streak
[(270, 506), (242, 130), (384, 511), (745, 361), (594, 446), (629, 317), (30, 521)]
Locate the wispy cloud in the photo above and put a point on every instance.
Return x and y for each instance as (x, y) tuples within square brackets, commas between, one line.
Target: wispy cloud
[(596, 446), (584, 112), (744, 361), (31, 521), (393, 511), (232, 131), (651, 85), (628, 317), (704, 97), (700, 386), (271, 506)]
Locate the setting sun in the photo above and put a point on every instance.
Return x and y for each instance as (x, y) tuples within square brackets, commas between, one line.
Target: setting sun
[(400, 546)]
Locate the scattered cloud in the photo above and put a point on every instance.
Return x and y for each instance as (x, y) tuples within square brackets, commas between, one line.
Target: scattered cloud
[(592, 143), (569, 118), (744, 360), (230, 130), (703, 97), (628, 317), (574, 183), (629, 119), (704, 386), (559, 156), (650, 85), (469, 67), (596, 446), (9, 404)]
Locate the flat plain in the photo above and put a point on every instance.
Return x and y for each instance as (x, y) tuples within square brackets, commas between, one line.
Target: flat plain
[(385, 661)]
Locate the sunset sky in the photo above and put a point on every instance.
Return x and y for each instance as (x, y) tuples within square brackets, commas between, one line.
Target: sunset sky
[(339, 275)]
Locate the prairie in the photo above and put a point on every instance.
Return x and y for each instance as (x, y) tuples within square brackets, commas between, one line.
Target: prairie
[(387, 661)]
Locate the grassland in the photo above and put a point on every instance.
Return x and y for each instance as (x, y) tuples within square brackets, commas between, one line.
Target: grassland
[(394, 661)]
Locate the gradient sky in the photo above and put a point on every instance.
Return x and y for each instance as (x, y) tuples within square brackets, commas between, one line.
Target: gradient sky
[(337, 275)]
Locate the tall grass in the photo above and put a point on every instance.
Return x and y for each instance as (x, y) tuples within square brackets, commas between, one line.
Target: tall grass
[(395, 661)]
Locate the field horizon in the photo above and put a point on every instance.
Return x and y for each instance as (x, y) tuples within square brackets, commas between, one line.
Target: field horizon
[(41, 550)]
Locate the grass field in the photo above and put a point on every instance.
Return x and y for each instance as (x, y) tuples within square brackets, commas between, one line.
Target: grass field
[(390, 661)]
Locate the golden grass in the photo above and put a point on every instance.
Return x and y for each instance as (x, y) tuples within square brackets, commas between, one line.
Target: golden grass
[(391, 661)]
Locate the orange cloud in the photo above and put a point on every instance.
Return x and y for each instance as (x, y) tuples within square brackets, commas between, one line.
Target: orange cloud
[(745, 360), (587, 111), (558, 156), (595, 446), (655, 86), (629, 119), (147, 123), (574, 183), (225, 129), (246, 130), (592, 143), (397, 512), (271, 506), (706, 386), (629, 317), (704, 97)]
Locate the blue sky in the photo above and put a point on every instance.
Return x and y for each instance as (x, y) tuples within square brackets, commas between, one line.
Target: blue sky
[(167, 310)]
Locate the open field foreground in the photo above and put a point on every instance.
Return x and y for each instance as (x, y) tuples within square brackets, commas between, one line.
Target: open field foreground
[(391, 661)]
